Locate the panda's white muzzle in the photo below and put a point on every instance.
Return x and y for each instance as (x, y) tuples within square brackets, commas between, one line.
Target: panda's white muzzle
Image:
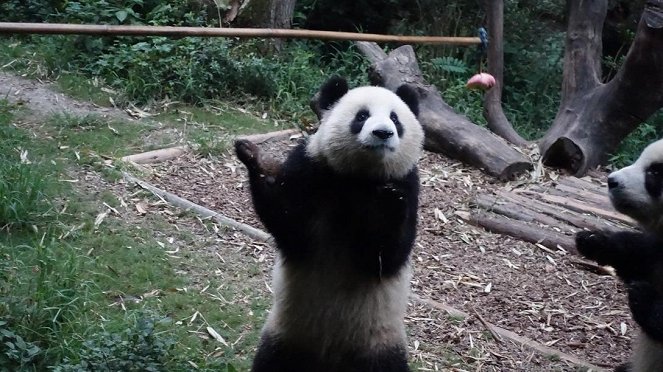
[(377, 135)]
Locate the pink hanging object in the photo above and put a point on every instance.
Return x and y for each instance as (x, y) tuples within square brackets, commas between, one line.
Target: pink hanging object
[(481, 81)]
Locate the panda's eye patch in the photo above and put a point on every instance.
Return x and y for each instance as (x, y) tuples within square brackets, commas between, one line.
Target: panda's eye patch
[(654, 179), (655, 169), (397, 123), (362, 115), (359, 120)]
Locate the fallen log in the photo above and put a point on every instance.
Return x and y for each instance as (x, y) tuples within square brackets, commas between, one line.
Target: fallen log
[(156, 156), (446, 131), (177, 201), (584, 195), (516, 211), (573, 194), (583, 185), (520, 230), (271, 136), (583, 208), (578, 220)]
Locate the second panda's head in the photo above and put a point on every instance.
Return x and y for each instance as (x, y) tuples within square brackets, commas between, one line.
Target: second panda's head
[(637, 190), (369, 131)]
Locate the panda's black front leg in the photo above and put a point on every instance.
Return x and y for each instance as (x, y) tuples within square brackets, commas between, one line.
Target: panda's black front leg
[(647, 308), (392, 199), (394, 225)]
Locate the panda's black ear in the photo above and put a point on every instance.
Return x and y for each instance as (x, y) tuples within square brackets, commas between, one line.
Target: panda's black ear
[(410, 96), (331, 91)]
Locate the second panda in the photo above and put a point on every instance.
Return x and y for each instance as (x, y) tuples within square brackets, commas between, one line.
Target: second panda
[(637, 256), (343, 212)]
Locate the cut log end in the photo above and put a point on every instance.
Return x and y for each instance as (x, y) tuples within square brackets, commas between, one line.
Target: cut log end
[(514, 170), (564, 153)]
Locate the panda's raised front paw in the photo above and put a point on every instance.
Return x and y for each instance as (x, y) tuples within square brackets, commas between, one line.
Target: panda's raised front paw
[(248, 153), (590, 243)]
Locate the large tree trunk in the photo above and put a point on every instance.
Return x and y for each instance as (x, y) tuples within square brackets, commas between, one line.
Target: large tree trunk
[(594, 118), (268, 14), (446, 131)]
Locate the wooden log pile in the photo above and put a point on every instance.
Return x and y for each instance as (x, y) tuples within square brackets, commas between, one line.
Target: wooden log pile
[(547, 214)]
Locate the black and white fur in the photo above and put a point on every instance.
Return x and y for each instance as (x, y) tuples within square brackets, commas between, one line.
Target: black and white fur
[(343, 211), (637, 257)]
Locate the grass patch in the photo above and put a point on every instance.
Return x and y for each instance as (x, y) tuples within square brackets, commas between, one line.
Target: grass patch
[(81, 87), (99, 135), (210, 128), (82, 293)]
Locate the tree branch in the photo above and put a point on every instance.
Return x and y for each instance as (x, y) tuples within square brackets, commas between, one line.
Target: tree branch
[(497, 121)]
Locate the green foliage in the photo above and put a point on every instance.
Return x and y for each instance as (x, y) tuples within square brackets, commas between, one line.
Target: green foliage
[(197, 70), (137, 348), (631, 147), (449, 64), (23, 184), (80, 293), (22, 193), (29, 10), (15, 352), (152, 12), (534, 56)]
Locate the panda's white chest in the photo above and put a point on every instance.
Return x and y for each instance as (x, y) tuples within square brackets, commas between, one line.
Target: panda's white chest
[(325, 307)]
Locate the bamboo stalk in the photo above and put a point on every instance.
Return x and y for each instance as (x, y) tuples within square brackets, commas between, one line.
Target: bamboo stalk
[(122, 30)]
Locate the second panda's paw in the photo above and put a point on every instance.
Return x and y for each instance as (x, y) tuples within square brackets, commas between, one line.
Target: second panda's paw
[(647, 308), (641, 298), (591, 243), (624, 367)]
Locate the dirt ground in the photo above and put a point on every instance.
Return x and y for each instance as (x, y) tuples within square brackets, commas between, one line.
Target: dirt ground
[(536, 294), (507, 282)]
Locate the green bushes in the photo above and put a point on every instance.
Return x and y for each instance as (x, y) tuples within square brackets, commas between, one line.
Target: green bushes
[(137, 348)]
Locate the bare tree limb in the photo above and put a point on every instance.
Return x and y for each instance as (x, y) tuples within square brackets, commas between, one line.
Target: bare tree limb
[(177, 201), (497, 121)]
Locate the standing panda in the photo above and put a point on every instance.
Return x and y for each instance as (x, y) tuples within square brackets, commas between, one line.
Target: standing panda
[(637, 191), (342, 209)]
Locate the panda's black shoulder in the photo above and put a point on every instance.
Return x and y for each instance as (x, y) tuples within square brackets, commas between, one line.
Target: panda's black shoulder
[(300, 168)]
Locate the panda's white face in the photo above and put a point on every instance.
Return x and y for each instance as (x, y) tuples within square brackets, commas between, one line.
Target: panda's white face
[(637, 190), (370, 130)]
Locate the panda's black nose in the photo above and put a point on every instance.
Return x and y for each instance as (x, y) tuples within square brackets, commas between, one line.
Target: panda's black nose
[(382, 133), (612, 183)]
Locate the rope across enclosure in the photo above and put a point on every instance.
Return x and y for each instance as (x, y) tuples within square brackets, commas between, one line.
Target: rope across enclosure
[(121, 30)]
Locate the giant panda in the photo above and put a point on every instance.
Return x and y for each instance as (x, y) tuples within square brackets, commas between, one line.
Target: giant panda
[(342, 209), (637, 256)]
